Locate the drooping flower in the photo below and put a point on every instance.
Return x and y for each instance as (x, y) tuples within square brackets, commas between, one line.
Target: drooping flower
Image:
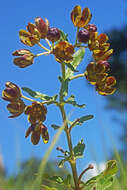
[(42, 26), (96, 72), (80, 18), (12, 92), (31, 37), (53, 34), (25, 58), (16, 108), (106, 87), (36, 112), (38, 130), (63, 52)]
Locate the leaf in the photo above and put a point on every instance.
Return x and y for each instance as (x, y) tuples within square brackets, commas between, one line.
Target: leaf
[(83, 119), (71, 100), (35, 94), (63, 36), (57, 179), (55, 127), (67, 180), (79, 149), (64, 86), (45, 187), (77, 58), (71, 67), (105, 178), (61, 163)]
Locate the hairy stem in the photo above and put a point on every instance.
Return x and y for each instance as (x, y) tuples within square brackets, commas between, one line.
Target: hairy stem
[(68, 135)]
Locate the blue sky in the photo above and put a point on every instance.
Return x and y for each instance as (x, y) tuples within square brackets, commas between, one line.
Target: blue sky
[(43, 76)]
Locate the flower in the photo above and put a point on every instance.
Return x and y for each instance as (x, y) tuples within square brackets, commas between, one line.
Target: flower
[(98, 44), (42, 26), (83, 36), (16, 108), (96, 72), (80, 19), (12, 92), (91, 27), (31, 37), (36, 112), (63, 52), (106, 87), (53, 34), (38, 130), (25, 58)]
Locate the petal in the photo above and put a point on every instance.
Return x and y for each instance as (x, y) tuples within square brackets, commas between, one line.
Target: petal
[(86, 17), (35, 137), (102, 38), (76, 15), (111, 81)]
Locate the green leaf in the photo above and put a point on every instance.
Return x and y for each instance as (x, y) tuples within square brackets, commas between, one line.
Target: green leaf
[(77, 58), (63, 36), (55, 127), (64, 86), (45, 187), (67, 180), (71, 67), (57, 179), (79, 149), (61, 163), (71, 100), (38, 95), (83, 119), (104, 179)]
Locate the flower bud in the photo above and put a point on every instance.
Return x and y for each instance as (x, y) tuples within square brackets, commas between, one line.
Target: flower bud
[(91, 27), (83, 36), (25, 58), (53, 34), (12, 92), (16, 108), (42, 26)]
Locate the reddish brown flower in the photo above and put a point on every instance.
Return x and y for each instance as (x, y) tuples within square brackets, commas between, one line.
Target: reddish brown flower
[(25, 58), (106, 87), (53, 34), (36, 112), (96, 72), (80, 19), (63, 52), (31, 37), (42, 26), (83, 36), (12, 92), (16, 108), (38, 130)]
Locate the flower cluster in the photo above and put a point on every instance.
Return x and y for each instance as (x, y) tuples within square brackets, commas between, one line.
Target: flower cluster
[(36, 112), (96, 72)]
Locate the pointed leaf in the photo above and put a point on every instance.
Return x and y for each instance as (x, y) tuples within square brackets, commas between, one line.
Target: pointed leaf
[(67, 180), (71, 100), (38, 95), (55, 127), (61, 163), (79, 149), (56, 179), (77, 58), (83, 119), (71, 67), (45, 187), (63, 36)]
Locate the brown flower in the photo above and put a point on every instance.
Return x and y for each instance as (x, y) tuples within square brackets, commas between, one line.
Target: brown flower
[(12, 92), (38, 130), (36, 112), (96, 72), (63, 52), (25, 58), (106, 87), (16, 108), (80, 19), (31, 37), (42, 26)]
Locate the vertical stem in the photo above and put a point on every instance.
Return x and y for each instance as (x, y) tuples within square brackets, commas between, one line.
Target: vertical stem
[(68, 135)]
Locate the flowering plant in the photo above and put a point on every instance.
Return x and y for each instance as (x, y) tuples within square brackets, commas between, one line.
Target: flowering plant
[(69, 56)]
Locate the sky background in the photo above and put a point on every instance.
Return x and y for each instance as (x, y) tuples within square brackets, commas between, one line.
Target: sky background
[(99, 133)]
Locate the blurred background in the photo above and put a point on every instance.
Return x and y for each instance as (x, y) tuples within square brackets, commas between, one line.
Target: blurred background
[(105, 136)]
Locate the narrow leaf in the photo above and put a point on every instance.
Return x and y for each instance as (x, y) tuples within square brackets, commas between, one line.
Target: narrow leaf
[(45, 187), (56, 179), (71, 100), (55, 127)]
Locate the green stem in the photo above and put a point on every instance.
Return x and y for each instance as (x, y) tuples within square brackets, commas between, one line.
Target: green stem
[(68, 135), (76, 36)]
